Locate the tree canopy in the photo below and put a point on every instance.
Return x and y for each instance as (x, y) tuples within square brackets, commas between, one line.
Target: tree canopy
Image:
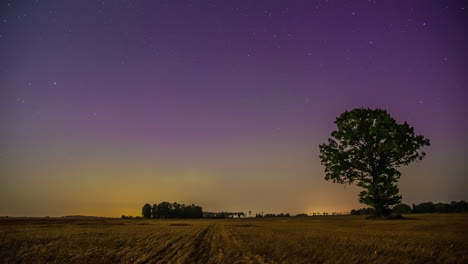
[(368, 148), (172, 210)]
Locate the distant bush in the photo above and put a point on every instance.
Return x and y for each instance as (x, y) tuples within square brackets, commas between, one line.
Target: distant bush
[(302, 215), (362, 211), (130, 217), (401, 209)]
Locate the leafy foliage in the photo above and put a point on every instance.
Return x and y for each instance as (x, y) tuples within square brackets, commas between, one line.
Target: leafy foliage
[(367, 148)]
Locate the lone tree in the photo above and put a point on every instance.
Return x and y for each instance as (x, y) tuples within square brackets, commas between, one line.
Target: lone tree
[(367, 148)]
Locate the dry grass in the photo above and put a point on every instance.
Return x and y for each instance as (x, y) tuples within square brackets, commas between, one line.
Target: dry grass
[(332, 239)]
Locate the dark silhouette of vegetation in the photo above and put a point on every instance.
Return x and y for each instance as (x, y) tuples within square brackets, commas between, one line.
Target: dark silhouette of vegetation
[(367, 148), (272, 215), (166, 210), (400, 209), (220, 215), (223, 215), (325, 214), (363, 211), (426, 207), (154, 210), (146, 211), (429, 207), (302, 215)]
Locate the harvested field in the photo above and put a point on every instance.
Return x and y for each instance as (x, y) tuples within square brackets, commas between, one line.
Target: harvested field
[(333, 239)]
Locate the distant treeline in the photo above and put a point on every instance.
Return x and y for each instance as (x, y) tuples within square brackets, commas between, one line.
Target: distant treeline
[(297, 215), (363, 211), (222, 215), (427, 207), (272, 215), (171, 210)]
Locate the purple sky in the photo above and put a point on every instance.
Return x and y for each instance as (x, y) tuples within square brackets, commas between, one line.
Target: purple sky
[(106, 105)]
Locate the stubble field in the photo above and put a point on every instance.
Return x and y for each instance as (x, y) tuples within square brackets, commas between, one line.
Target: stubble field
[(332, 239)]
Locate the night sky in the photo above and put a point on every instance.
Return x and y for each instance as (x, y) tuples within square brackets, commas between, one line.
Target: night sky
[(107, 105)]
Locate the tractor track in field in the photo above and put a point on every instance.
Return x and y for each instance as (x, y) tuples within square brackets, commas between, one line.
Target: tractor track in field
[(174, 249), (208, 244), (237, 252)]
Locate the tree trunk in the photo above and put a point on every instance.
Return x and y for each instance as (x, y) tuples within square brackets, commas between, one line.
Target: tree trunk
[(381, 210)]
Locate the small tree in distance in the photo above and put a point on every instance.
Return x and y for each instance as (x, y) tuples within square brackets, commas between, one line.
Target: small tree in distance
[(367, 148), (401, 209), (146, 211)]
